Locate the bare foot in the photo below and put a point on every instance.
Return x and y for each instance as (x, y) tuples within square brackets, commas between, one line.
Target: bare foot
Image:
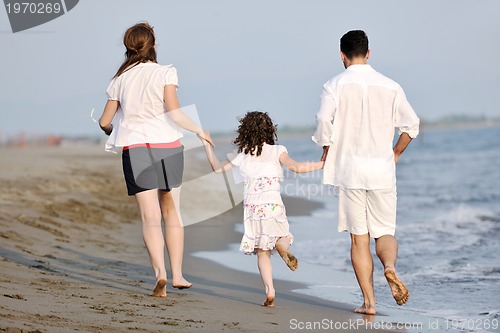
[(290, 260), (269, 302), (398, 288), (366, 309), (182, 284), (160, 289)]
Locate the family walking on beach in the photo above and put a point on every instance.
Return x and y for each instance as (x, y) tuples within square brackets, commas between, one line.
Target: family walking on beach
[(360, 109)]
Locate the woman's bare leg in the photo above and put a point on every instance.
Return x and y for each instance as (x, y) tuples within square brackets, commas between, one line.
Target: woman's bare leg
[(174, 235), (153, 237)]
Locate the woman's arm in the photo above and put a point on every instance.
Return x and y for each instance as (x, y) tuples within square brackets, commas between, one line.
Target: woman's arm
[(217, 167), (107, 116), (175, 113), (299, 167)]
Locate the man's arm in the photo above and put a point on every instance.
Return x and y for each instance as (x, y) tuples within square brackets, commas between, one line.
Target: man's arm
[(325, 153), (324, 119), (324, 122), (403, 142)]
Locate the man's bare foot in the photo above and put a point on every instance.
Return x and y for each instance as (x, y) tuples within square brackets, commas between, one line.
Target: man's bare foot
[(160, 289), (366, 309), (269, 302), (181, 284), (398, 288), (290, 260)]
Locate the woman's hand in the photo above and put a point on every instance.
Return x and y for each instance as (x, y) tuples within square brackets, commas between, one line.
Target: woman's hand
[(107, 116), (205, 137)]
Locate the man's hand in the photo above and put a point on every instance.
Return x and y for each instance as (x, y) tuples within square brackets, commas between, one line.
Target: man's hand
[(325, 153), (396, 157)]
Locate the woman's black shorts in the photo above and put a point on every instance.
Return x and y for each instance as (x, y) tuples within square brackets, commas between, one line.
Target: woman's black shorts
[(148, 168)]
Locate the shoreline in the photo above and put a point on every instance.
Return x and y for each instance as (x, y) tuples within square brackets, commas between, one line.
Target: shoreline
[(73, 259)]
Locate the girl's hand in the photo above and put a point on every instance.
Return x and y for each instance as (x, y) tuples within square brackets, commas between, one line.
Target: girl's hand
[(205, 137)]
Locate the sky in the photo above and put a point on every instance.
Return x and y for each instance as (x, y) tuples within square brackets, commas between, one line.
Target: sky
[(236, 56)]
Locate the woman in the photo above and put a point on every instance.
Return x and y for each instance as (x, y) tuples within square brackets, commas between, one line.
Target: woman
[(143, 101)]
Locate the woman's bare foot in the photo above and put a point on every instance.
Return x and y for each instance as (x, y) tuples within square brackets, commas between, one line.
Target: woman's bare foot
[(398, 288), (290, 260), (366, 309), (160, 288), (181, 284)]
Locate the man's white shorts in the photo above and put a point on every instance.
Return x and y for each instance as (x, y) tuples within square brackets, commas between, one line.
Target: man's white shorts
[(367, 211)]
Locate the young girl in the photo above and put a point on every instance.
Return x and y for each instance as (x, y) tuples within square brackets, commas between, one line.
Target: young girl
[(147, 117), (265, 222)]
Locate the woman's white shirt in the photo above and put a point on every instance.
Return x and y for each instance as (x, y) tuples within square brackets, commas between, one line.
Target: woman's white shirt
[(142, 116)]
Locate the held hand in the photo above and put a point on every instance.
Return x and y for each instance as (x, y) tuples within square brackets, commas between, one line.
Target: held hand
[(325, 153), (205, 137)]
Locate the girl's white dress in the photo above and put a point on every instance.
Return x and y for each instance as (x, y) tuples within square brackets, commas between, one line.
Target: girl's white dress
[(264, 216)]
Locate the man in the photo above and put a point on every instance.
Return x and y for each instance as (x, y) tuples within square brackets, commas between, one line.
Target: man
[(360, 109)]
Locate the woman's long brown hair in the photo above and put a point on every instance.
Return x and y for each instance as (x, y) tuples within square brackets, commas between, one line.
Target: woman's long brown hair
[(139, 40), (255, 129)]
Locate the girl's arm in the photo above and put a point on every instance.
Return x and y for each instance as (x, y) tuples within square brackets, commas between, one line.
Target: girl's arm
[(299, 167), (107, 116), (175, 113), (217, 167)]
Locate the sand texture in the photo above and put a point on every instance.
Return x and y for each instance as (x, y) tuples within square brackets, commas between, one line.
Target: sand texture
[(73, 259)]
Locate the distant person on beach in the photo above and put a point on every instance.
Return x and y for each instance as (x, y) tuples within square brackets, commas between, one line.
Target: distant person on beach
[(360, 109), (142, 100), (259, 162)]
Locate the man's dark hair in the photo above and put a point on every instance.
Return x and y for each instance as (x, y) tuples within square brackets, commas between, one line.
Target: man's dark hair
[(354, 44)]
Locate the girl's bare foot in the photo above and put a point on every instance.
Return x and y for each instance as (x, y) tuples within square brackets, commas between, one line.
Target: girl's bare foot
[(270, 294), (290, 260), (269, 302), (398, 288), (181, 284), (160, 288), (366, 309)]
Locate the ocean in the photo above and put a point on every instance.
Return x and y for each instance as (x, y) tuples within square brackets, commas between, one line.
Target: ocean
[(448, 229)]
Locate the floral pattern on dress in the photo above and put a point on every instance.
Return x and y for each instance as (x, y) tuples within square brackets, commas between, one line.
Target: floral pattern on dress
[(264, 222), (265, 184)]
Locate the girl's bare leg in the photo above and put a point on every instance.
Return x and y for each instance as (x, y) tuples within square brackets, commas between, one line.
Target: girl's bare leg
[(174, 235), (266, 273), (282, 246), (153, 237)]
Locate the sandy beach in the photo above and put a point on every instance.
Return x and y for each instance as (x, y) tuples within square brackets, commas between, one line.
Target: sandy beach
[(73, 258)]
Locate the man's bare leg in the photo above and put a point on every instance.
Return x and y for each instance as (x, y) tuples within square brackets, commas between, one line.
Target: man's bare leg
[(387, 251), (363, 267)]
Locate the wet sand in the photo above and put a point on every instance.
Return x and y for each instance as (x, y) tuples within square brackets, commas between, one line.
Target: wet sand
[(73, 259)]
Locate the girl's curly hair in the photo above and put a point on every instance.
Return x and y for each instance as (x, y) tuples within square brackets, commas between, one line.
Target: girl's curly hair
[(255, 129)]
